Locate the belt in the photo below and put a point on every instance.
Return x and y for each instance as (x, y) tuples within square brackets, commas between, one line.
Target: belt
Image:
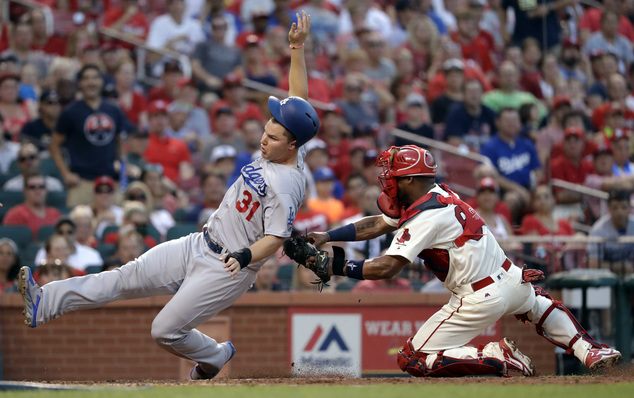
[(213, 246), (482, 283)]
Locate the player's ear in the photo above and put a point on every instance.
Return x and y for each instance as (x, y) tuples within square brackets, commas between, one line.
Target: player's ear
[(292, 145)]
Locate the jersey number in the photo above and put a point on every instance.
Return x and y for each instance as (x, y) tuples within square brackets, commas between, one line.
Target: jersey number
[(245, 203)]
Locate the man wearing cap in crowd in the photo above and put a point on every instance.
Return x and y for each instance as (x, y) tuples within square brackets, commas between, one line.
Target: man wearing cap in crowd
[(324, 201), (569, 60), (223, 160), (454, 76), (226, 133), (29, 161), (470, 122), (358, 113), (571, 167), (234, 97), (214, 59), (167, 91), (618, 94), (105, 212), (90, 130), (39, 131), (169, 152), (620, 144), (417, 120)]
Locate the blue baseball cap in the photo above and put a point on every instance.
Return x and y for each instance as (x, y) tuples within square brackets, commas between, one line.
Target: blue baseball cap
[(297, 116), (323, 174)]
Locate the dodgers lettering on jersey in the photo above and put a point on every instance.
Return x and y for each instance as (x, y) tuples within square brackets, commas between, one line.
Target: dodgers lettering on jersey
[(450, 236), (263, 201)]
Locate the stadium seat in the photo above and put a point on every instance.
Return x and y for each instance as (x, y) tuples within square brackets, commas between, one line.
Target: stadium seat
[(48, 167), (93, 269), (28, 255), (56, 200), (10, 199), (154, 233), (106, 250), (108, 230), (180, 215), (20, 234), (180, 230), (345, 285), (285, 274), (45, 232)]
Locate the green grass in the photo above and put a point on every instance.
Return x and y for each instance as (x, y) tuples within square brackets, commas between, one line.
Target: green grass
[(369, 391)]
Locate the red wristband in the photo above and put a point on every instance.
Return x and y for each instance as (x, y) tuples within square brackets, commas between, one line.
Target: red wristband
[(296, 47)]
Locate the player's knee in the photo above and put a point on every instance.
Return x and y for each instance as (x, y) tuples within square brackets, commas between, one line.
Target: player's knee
[(162, 333)]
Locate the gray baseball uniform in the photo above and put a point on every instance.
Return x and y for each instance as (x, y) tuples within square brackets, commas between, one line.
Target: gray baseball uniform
[(264, 201)]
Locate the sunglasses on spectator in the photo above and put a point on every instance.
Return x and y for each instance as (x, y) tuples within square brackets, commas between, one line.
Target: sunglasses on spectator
[(34, 187), (51, 102), (104, 190), (140, 197), (65, 231), (354, 88), (25, 158)]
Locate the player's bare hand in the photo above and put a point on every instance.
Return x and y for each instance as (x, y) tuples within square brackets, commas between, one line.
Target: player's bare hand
[(232, 265), (299, 30), (318, 238)]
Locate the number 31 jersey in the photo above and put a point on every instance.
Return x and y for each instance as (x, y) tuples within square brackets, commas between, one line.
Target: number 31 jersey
[(263, 201), (450, 236)]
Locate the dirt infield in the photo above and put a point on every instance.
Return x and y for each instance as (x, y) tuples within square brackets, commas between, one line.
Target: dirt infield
[(623, 374)]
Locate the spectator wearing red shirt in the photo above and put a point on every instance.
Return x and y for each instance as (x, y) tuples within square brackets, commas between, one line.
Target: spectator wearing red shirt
[(33, 213), (166, 151), (172, 73), (260, 22), (131, 102), (334, 132), (590, 22), (617, 94), (576, 118), (318, 87), (43, 40), (473, 46), (544, 223), (530, 71), (570, 166), (127, 20), (438, 84), (234, 97)]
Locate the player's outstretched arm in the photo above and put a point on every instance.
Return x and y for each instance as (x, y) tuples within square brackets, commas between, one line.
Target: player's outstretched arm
[(260, 250), (297, 76), (364, 229)]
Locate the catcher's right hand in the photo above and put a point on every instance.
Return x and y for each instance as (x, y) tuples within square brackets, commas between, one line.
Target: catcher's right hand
[(302, 252), (318, 238)]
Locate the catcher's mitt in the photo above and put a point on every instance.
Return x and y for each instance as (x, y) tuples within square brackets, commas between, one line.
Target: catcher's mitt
[(302, 252)]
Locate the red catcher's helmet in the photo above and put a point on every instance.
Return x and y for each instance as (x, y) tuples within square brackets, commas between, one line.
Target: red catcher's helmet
[(407, 160)]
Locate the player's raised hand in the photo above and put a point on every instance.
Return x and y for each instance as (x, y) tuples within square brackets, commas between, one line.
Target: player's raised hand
[(318, 238), (299, 30)]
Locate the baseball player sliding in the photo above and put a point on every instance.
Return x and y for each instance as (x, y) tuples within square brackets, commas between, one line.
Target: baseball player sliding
[(435, 225), (201, 270)]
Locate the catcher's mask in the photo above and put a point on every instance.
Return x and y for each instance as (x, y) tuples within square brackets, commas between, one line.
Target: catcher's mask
[(404, 161)]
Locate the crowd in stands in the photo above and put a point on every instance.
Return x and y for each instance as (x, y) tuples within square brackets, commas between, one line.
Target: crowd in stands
[(107, 149)]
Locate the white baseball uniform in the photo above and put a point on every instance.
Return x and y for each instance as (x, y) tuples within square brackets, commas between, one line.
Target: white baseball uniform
[(263, 201), (460, 250)]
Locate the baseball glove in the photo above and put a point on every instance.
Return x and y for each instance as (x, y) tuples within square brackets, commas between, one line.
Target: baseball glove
[(302, 252)]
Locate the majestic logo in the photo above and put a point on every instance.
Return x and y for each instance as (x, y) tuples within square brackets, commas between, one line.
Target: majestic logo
[(332, 337), (405, 237), (253, 177), (99, 129)]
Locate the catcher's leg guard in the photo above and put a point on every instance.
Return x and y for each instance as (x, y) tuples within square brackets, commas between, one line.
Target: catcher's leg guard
[(555, 323), (415, 363)]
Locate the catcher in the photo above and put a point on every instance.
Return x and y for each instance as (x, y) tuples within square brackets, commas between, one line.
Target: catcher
[(436, 225)]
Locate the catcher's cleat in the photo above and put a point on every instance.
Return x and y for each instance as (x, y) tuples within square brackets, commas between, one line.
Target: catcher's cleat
[(197, 373), (515, 360), (31, 295), (602, 358)]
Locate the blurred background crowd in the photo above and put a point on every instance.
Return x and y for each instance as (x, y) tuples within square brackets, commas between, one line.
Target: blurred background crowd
[(123, 122)]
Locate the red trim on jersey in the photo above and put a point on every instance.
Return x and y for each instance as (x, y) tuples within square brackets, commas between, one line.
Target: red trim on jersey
[(437, 261), (440, 324)]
